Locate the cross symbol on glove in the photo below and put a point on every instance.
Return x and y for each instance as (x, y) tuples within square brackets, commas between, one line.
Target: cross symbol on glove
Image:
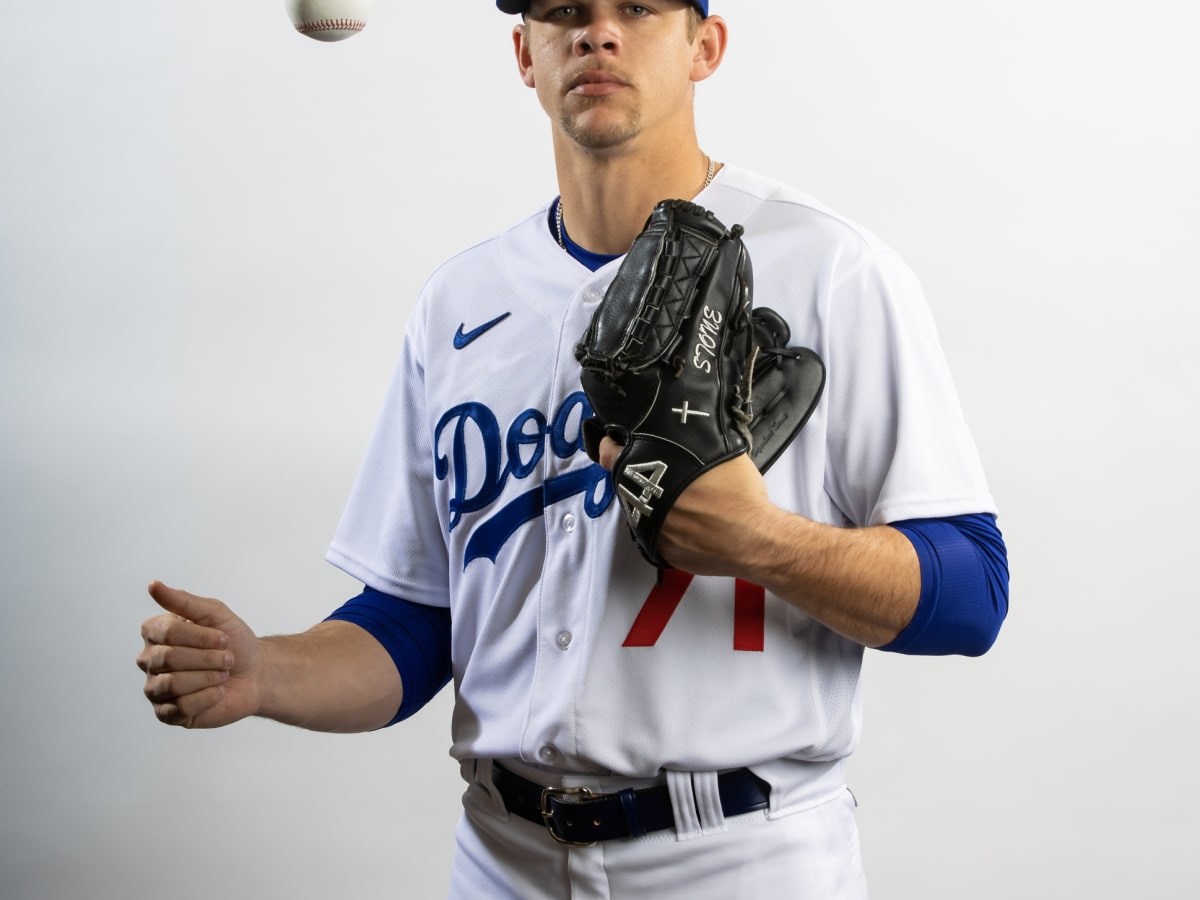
[(686, 411)]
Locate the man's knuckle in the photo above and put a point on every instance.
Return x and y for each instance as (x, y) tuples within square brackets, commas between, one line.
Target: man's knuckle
[(159, 687)]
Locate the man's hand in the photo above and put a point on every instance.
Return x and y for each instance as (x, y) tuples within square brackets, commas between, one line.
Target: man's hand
[(705, 530), (205, 668), (200, 661), (712, 526)]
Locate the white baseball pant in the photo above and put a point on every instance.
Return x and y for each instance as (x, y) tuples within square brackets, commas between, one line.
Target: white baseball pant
[(808, 855)]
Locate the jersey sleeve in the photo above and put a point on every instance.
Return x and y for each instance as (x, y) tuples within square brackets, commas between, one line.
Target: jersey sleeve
[(390, 536), (898, 444)]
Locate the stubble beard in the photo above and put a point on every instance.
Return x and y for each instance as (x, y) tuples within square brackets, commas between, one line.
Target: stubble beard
[(599, 136)]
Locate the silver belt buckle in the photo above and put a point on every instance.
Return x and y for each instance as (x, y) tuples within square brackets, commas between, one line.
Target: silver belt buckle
[(561, 794)]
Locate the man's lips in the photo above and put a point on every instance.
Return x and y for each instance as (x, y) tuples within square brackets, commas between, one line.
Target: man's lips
[(595, 83)]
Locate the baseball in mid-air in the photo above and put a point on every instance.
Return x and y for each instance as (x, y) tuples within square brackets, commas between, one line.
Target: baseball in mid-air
[(329, 20)]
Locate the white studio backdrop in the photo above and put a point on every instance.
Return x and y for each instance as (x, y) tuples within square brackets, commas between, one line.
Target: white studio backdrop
[(211, 233)]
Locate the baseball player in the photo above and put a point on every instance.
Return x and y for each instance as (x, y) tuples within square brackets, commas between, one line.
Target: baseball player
[(626, 730)]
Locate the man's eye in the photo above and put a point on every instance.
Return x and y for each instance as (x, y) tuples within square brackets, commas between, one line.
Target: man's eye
[(636, 10)]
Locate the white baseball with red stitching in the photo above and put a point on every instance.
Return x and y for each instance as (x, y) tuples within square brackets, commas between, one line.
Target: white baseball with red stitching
[(329, 20)]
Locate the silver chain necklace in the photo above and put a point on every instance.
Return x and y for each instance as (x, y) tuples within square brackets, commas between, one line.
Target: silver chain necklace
[(558, 213)]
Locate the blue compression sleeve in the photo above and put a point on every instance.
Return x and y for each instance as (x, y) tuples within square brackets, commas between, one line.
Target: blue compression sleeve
[(964, 586), (417, 637)]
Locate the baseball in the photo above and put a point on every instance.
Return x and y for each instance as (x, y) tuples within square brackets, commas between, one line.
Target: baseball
[(329, 20)]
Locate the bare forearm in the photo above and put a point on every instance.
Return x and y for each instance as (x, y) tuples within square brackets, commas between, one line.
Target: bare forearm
[(863, 583), (334, 677)]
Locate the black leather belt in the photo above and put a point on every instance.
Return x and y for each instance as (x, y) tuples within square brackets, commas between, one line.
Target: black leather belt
[(579, 817)]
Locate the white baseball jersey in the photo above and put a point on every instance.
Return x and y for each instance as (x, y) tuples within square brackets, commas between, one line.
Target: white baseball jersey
[(476, 494)]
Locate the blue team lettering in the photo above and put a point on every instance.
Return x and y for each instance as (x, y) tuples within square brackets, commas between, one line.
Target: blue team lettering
[(477, 444)]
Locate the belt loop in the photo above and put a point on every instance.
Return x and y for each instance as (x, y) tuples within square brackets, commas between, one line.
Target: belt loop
[(683, 805), (632, 819), (481, 775), (706, 789)]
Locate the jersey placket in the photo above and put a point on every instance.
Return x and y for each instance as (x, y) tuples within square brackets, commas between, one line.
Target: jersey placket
[(572, 553)]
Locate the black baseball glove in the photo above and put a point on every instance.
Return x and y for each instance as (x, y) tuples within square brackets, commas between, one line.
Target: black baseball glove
[(674, 359)]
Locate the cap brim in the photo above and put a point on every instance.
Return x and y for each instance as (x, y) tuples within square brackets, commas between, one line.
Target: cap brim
[(519, 6)]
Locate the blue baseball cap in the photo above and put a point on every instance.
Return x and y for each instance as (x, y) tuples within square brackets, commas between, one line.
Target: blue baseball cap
[(521, 6)]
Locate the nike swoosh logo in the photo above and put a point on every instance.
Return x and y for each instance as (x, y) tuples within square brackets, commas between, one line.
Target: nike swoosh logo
[(461, 340)]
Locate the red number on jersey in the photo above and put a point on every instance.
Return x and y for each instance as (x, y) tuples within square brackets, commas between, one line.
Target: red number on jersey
[(749, 612)]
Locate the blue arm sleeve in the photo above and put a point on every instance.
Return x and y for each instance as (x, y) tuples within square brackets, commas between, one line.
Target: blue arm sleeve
[(964, 586), (417, 637)]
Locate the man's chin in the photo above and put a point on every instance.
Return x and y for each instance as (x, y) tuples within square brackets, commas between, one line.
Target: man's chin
[(595, 130)]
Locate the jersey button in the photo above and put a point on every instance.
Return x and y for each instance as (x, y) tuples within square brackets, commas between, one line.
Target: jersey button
[(547, 753), (568, 523), (563, 639)]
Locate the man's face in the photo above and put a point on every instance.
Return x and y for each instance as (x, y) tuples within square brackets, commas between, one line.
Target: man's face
[(607, 70)]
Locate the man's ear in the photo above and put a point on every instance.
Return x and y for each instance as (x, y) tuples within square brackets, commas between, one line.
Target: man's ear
[(524, 59), (712, 37)]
